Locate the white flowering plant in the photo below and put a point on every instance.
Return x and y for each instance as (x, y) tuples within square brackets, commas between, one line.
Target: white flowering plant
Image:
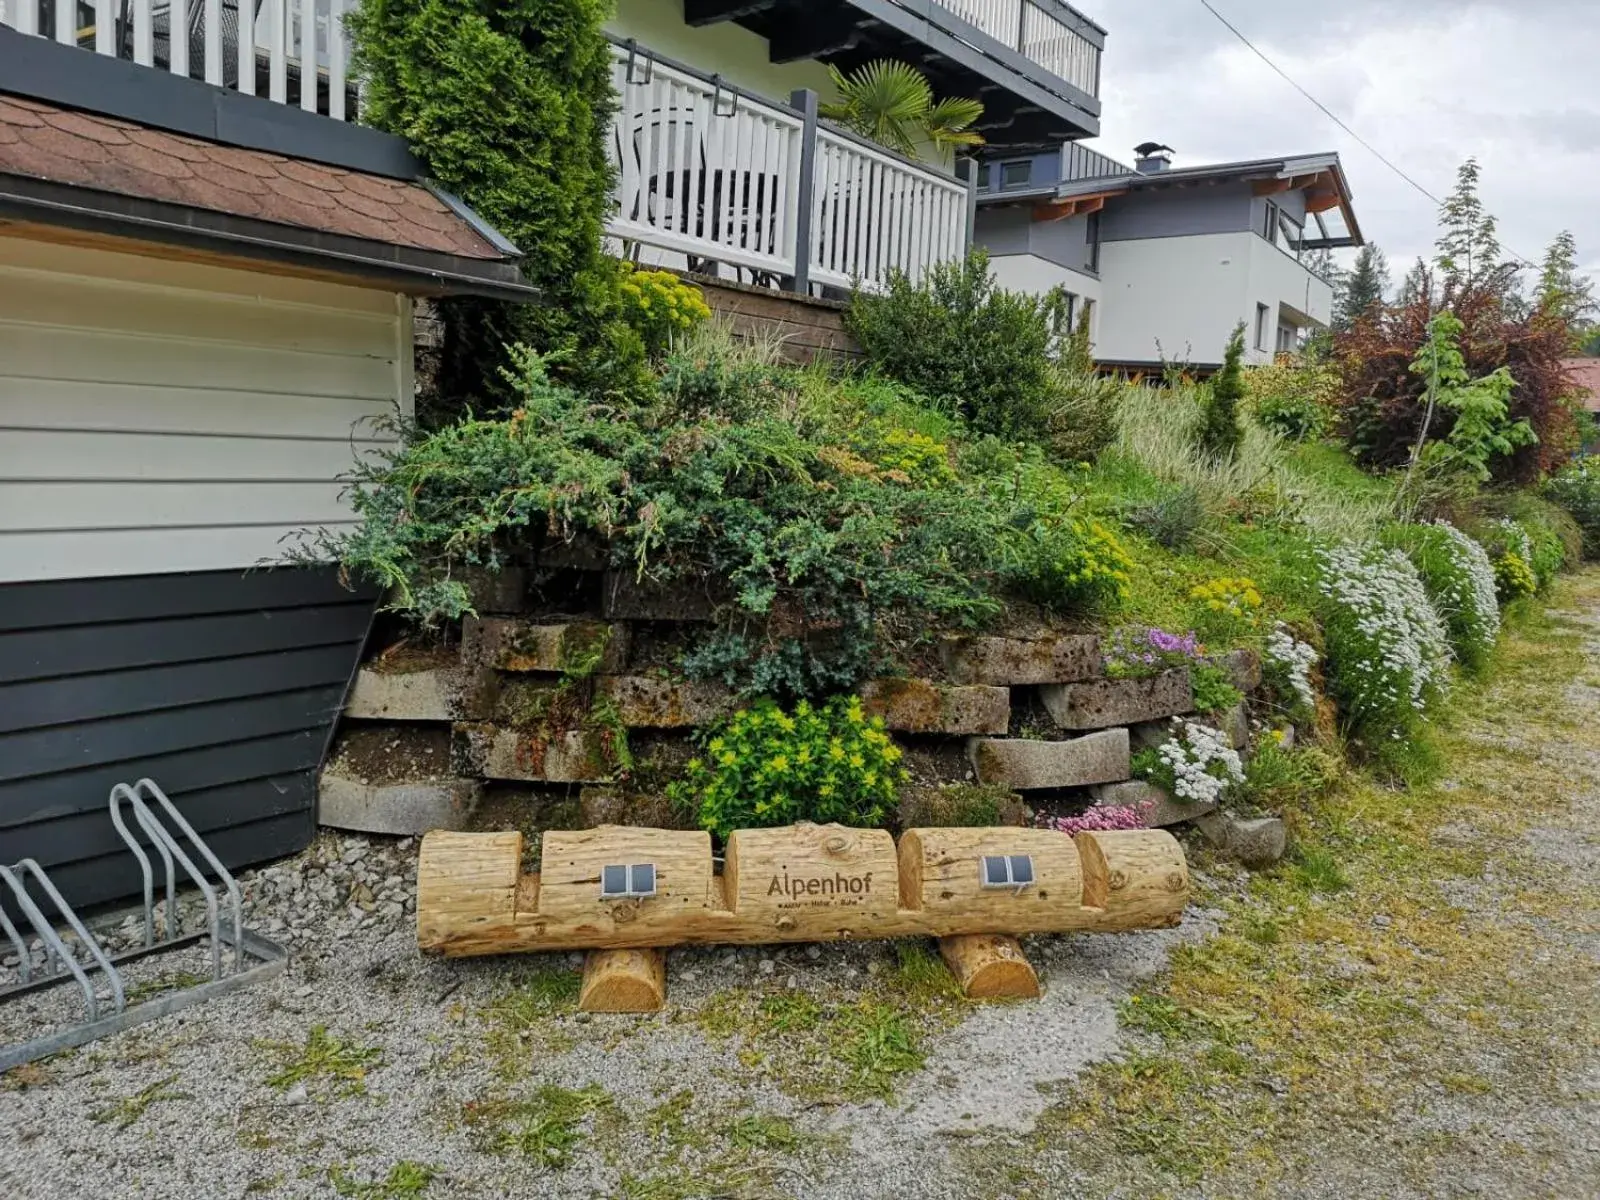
[(1460, 580), (1196, 764), (1388, 653), (1287, 661)]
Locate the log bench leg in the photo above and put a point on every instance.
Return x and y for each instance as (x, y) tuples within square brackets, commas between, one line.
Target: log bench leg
[(989, 966), (630, 981)]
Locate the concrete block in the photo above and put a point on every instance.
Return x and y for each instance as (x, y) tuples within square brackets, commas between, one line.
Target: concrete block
[(624, 598), (568, 756), (438, 694), (1236, 724), (917, 706), (501, 591), (511, 645), (580, 554), (1160, 809), (1243, 667), (1019, 661), (648, 702), (1101, 703), (403, 809), (1025, 765)]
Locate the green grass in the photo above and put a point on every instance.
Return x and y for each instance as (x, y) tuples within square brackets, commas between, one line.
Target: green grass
[(130, 1108), (405, 1178), (325, 1060), (546, 1127), (519, 1019)]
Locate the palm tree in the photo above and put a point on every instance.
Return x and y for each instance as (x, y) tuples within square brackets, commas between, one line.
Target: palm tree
[(892, 103)]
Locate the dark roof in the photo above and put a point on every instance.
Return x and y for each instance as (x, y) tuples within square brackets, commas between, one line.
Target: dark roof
[(1285, 168), (60, 161)]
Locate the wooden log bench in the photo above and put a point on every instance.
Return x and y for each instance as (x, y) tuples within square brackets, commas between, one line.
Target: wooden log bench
[(625, 894)]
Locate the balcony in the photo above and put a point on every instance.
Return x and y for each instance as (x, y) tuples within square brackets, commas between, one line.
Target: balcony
[(715, 179), (1035, 64), (296, 51)]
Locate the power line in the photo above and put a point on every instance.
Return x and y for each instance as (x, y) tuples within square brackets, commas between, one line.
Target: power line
[(1336, 119)]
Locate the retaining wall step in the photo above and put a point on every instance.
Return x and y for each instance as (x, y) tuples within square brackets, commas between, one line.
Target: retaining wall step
[(1020, 661), (438, 694), (508, 644), (649, 702), (965, 804), (617, 806), (918, 706), (1101, 703), (402, 809), (569, 756), (1159, 808), (1243, 667), (1029, 765), (624, 598)]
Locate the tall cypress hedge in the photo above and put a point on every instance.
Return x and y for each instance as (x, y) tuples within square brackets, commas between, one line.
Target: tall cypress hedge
[(507, 103)]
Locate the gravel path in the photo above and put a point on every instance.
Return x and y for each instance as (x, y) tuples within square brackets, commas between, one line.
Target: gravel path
[(846, 1071)]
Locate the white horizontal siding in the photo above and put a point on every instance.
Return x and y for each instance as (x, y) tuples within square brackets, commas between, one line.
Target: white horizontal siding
[(159, 416)]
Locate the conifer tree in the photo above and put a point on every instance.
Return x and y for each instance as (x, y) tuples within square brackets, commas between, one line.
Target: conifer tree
[(1468, 246), (1219, 433), (1364, 288)]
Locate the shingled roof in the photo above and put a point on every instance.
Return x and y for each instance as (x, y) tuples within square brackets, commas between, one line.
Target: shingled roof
[(63, 160)]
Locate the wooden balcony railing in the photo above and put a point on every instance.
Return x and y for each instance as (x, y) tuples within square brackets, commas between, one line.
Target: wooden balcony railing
[(293, 51)]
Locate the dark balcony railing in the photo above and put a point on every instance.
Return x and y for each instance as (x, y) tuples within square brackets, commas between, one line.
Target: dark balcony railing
[(1038, 34)]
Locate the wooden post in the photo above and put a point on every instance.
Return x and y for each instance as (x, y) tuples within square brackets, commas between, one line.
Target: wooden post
[(623, 981), (990, 966)]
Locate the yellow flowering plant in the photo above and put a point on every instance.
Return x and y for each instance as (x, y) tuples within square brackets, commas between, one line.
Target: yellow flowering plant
[(764, 766), (660, 306), (1226, 609)]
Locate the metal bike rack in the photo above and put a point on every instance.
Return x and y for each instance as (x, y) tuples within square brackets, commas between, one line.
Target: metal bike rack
[(254, 958)]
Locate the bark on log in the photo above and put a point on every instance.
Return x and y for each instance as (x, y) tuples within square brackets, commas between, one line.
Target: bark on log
[(623, 981), (990, 966), (801, 883)]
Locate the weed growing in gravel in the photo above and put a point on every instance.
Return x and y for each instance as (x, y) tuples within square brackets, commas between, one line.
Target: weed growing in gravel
[(167, 981), (762, 1131), (1316, 869), (130, 1108), (547, 1128), (405, 1178), (324, 1059), (517, 1013), (879, 1044)]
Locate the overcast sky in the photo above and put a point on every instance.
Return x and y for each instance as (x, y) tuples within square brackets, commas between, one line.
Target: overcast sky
[(1428, 82)]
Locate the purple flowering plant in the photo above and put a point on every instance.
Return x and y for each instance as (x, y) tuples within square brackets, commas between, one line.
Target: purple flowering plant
[(1138, 651)]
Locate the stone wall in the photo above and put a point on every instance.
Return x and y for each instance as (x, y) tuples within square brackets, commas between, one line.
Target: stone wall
[(1008, 722)]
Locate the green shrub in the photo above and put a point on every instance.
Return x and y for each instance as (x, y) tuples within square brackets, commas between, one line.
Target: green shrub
[(1460, 581), (1523, 547), (1513, 578), (508, 106), (1213, 688), (976, 350), (1082, 414), (763, 766), (1386, 649), (1293, 399), (1279, 778), (1219, 433), (1226, 609), (1171, 519), (823, 560), (1576, 488)]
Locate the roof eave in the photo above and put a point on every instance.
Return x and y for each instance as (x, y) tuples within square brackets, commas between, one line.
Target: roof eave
[(403, 268)]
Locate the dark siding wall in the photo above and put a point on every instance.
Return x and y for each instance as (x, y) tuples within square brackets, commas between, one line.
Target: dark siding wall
[(221, 686), (1178, 212)]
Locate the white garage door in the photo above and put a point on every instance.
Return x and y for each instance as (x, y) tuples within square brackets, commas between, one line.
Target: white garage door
[(159, 416)]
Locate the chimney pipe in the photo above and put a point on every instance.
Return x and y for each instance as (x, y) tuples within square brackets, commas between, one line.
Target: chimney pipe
[(1152, 158)]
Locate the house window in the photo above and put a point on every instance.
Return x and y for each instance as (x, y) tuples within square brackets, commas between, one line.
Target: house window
[(1269, 227), (1007, 870), (1286, 339), (624, 880), (1088, 314), (1092, 235), (1261, 327), (1016, 174)]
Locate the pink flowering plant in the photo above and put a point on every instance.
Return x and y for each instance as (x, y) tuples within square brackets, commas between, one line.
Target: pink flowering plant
[(1139, 651), (1100, 817)]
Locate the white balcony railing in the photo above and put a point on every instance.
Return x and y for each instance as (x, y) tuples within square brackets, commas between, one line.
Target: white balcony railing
[(1036, 34), (296, 51), (715, 175)]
